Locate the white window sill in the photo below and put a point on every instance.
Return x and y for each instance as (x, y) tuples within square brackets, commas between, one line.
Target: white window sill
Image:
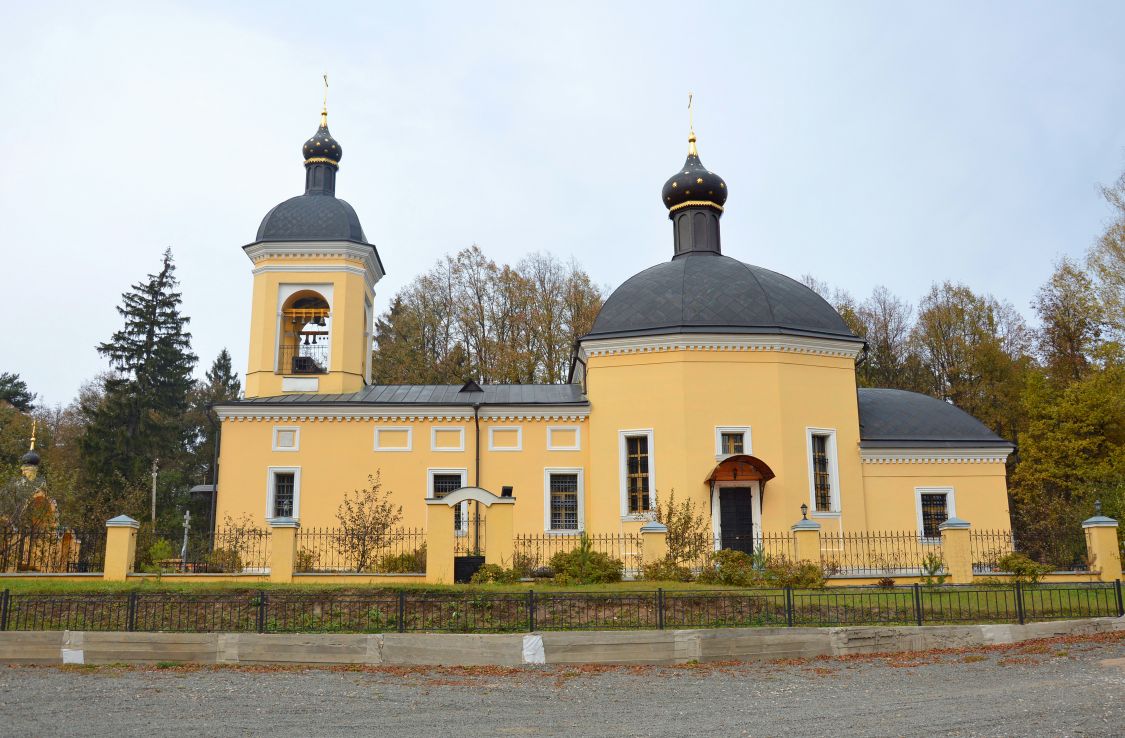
[(638, 517), (828, 514), (564, 533)]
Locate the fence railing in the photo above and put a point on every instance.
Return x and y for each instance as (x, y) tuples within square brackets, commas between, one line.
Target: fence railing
[(534, 550), (343, 551), (763, 544), (232, 550), (52, 551), (881, 554), (987, 547), (469, 532), (402, 611)]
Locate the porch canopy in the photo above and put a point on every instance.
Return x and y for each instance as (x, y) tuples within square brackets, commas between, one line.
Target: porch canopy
[(740, 468)]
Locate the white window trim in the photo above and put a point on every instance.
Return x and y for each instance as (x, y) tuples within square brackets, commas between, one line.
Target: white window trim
[(296, 437), (433, 438), (747, 446), (519, 438), (271, 473), (547, 472), (398, 429), (833, 471), (463, 509), (623, 471), (950, 507), (552, 446)]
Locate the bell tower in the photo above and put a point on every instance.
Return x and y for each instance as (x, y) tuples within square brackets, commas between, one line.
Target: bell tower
[(314, 287)]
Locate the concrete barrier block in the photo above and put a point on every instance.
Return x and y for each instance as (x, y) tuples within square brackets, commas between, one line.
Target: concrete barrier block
[(610, 647), (452, 649), (318, 648), (38, 647), (144, 648), (763, 644)]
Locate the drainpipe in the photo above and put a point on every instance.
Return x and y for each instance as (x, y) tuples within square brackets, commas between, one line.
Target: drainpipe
[(216, 433), (476, 469)]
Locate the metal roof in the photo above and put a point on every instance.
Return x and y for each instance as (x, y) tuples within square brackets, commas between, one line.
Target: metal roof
[(891, 418), (312, 218), (705, 292), (439, 394)]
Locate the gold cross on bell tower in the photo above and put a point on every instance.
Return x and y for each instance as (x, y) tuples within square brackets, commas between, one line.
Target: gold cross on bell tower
[(691, 126)]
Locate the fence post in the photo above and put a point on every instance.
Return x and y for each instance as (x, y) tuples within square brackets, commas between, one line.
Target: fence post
[(499, 533), (1101, 546), (654, 541), (789, 606), (131, 613), (402, 611), (660, 608), (262, 604), (1019, 603), (917, 603), (439, 542), (806, 537), (1116, 585), (120, 548), (7, 594), (283, 548), (956, 550), (531, 610)]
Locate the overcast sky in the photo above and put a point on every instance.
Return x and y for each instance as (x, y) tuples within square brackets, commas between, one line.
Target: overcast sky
[(865, 143)]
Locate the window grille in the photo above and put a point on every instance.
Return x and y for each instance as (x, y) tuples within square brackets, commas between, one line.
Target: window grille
[(935, 511), (443, 485), (822, 477), (637, 473), (283, 486), (733, 443), (564, 501)]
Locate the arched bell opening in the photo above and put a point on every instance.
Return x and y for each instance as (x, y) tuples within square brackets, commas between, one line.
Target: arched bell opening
[(305, 333), (737, 484)]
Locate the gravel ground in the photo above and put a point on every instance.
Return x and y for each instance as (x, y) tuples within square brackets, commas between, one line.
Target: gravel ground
[(1067, 686)]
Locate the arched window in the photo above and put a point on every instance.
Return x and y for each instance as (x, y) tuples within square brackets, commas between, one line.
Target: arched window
[(305, 325)]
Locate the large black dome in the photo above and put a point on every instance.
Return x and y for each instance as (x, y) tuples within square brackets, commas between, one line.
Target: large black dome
[(704, 292), (311, 217)]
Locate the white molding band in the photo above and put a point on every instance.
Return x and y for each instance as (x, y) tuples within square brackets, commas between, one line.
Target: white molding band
[(933, 455), (720, 342), (338, 413), (320, 249)]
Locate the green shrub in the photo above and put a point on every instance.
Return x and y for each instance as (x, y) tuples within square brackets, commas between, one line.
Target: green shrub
[(781, 572), (885, 583), (489, 573), (933, 570), (584, 565), (1023, 569), (305, 561), (731, 568), (225, 560), (408, 562), (666, 570)]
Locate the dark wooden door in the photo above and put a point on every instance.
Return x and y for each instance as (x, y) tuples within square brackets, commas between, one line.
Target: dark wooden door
[(736, 519)]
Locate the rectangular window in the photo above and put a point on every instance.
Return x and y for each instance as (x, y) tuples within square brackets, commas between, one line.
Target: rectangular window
[(636, 474), (935, 511), (442, 484), (822, 473), (732, 443), (284, 487), (564, 501)]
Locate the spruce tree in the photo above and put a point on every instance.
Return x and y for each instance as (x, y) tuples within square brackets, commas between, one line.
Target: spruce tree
[(141, 416), (220, 384)]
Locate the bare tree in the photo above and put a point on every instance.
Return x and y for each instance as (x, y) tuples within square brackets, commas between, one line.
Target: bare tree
[(367, 523)]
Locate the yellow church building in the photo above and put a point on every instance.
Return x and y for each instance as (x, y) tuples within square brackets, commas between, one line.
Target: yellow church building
[(717, 380)]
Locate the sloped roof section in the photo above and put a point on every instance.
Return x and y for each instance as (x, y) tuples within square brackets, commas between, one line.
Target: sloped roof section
[(312, 218), (891, 418), (395, 395)]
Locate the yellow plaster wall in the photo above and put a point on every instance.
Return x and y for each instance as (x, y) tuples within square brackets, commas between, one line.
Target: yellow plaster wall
[(979, 489), (347, 358)]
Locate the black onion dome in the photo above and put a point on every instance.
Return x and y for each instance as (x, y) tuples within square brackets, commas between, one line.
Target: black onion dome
[(311, 217), (322, 148), (694, 184), (712, 293), (31, 458)]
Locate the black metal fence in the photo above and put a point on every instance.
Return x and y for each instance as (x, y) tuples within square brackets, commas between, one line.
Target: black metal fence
[(535, 550), (987, 547), (52, 551), (465, 612), (880, 553), (764, 545), (343, 551), (232, 550)]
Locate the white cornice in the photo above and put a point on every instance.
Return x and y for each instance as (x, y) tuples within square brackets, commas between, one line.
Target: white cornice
[(934, 455), (337, 413), (721, 342), (321, 249)]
